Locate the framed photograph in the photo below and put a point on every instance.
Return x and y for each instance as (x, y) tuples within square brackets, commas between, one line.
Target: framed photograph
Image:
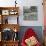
[(5, 12), (30, 13), (13, 12)]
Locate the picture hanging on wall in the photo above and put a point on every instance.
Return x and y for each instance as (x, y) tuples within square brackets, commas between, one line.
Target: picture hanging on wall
[(30, 13)]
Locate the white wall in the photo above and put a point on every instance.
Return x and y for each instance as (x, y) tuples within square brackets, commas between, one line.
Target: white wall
[(22, 3), (7, 3)]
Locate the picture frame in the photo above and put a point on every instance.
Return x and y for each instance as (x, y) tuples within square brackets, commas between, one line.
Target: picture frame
[(30, 13), (13, 12), (5, 12)]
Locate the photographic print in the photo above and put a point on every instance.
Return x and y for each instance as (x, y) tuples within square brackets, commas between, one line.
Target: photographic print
[(5, 12), (30, 13)]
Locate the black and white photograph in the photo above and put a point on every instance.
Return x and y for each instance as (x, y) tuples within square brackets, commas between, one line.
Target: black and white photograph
[(30, 13)]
